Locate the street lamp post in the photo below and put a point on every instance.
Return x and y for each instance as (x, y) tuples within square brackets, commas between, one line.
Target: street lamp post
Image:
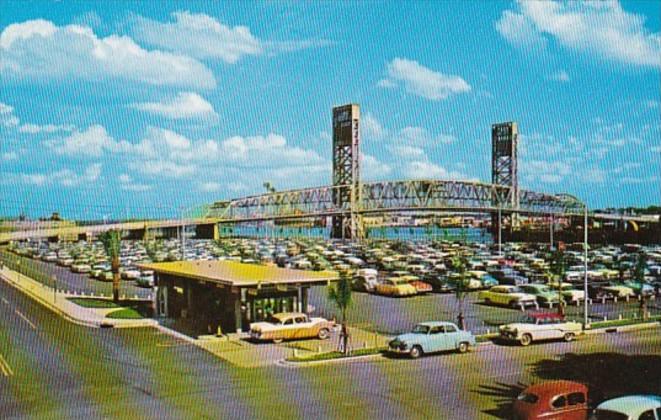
[(500, 233)]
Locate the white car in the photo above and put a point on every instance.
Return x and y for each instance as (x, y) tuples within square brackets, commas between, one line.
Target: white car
[(507, 295), (631, 407), (540, 326)]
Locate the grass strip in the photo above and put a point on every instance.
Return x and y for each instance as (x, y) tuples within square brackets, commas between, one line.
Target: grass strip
[(624, 322), (125, 313), (94, 303)]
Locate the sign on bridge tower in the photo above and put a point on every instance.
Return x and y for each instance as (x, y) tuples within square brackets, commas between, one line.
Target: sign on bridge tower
[(346, 169)]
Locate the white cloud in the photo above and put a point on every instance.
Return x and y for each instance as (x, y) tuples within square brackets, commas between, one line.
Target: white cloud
[(203, 36), (126, 183), (560, 76), (210, 187), (93, 142), (373, 169), (422, 81), (547, 172), (184, 106), (372, 128), (7, 156), (601, 28), (420, 136), (64, 177), (46, 128), (651, 104), (655, 149), (38, 49), (7, 117), (408, 152), (519, 31), (429, 170)]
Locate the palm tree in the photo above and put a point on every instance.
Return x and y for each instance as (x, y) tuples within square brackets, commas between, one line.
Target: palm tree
[(112, 240), (340, 295), (639, 277), (460, 282), (557, 270)]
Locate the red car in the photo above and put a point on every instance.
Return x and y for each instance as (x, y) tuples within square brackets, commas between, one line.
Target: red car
[(421, 286), (557, 400)]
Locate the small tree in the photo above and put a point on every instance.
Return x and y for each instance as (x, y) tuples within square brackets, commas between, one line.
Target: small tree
[(557, 271), (112, 240), (639, 277), (460, 282), (340, 295)]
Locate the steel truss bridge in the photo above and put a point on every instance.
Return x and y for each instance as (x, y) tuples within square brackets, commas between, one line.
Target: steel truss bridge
[(392, 197)]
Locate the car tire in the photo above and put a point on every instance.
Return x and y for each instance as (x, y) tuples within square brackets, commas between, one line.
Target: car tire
[(323, 334), (416, 352), (569, 337), (277, 340), (463, 347), (526, 339), (487, 301)]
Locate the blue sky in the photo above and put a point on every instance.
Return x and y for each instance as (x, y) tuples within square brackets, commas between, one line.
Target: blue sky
[(143, 108)]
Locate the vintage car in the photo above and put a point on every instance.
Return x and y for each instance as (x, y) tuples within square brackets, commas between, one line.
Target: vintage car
[(472, 283), (431, 337), (507, 295), (540, 326), (631, 407), (290, 326), (543, 293), (420, 286), (365, 280), (395, 286), (618, 290), (640, 289), (561, 400), (569, 292)]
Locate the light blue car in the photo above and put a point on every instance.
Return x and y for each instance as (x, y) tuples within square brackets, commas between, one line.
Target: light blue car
[(431, 337)]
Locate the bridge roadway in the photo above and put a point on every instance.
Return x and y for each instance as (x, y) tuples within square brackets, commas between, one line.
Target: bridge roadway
[(393, 197)]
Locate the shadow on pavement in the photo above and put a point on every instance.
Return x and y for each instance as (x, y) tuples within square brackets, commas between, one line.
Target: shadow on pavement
[(607, 375)]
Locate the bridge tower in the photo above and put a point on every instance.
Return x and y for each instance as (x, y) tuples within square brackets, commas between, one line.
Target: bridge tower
[(346, 169), (504, 163)]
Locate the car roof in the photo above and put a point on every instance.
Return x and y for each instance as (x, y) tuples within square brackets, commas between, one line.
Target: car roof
[(435, 323), (550, 389), (283, 315), (631, 404)]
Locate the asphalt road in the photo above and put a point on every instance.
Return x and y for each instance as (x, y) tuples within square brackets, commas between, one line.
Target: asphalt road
[(61, 370)]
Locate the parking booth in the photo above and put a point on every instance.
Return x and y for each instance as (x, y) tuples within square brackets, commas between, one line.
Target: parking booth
[(228, 294)]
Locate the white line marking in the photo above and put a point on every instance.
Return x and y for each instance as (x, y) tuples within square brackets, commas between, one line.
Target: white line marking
[(6, 369), (25, 318)]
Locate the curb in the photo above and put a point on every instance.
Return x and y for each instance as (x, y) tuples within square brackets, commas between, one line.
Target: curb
[(287, 364), (78, 321), (624, 328)]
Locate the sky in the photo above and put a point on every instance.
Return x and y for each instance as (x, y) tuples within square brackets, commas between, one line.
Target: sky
[(147, 109)]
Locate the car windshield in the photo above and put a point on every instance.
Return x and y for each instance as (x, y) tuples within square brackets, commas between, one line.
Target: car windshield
[(273, 320), (421, 329), (527, 397), (609, 415)]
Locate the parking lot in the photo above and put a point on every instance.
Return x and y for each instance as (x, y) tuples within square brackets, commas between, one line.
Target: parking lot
[(375, 311)]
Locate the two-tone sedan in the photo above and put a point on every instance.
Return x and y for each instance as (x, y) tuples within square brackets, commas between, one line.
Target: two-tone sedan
[(432, 337), (290, 326), (508, 295), (540, 326)]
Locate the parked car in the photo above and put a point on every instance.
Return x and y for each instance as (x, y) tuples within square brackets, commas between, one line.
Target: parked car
[(420, 286), (561, 400), (640, 289), (631, 407), (395, 286), (290, 326), (543, 293), (619, 291), (431, 337), (540, 326), (507, 295), (569, 292)]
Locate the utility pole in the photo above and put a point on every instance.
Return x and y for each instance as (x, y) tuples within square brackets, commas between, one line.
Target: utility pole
[(585, 266)]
